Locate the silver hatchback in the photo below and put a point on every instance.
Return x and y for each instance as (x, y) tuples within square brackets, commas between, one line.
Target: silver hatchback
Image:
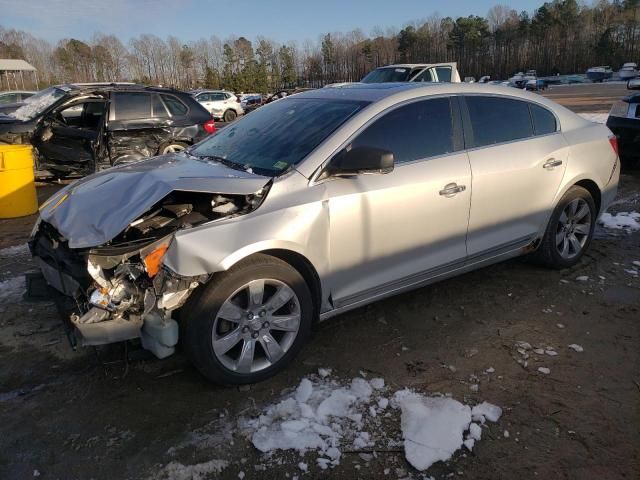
[(315, 205)]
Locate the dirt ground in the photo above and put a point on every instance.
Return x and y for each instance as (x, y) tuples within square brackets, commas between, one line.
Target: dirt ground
[(79, 415)]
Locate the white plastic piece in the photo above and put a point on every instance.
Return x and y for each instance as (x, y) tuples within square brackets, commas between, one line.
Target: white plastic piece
[(159, 335)]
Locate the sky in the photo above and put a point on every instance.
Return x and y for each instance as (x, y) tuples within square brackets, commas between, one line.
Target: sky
[(279, 20)]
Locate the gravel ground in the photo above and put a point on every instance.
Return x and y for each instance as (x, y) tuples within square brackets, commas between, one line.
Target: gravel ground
[(80, 415)]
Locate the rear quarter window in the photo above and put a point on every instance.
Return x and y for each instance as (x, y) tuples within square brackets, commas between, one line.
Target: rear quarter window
[(497, 120), (544, 122), (175, 106)]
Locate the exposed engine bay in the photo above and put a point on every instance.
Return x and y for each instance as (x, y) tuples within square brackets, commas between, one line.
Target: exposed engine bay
[(121, 289)]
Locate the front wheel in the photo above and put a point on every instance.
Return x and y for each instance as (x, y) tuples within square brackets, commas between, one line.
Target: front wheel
[(249, 323), (569, 231)]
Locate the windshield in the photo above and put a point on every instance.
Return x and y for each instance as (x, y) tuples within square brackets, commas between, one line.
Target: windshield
[(388, 74), (38, 103), (272, 138)]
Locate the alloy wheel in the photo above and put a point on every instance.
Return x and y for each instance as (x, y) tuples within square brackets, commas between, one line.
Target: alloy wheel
[(256, 326), (173, 148), (574, 228)]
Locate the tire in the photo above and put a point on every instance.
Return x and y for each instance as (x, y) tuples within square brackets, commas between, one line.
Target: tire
[(171, 147), (570, 230), (230, 116), (221, 348)]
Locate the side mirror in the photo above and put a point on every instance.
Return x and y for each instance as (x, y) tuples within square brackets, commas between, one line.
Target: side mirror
[(633, 84), (361, 160)]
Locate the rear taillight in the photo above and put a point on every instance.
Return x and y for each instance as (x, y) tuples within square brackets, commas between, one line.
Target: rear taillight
[(613, 140), (210, 126)]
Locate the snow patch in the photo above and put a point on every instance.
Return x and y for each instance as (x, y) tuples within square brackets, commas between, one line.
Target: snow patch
[(15, 250), (629, 221), (199, 471), (433, 428), (544, 370), (324, 416), (576, 347), (11, 290)]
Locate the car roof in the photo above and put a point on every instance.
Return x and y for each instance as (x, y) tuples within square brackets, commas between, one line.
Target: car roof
[(117, 86), (16, 91), (406, 65), (400, 91)]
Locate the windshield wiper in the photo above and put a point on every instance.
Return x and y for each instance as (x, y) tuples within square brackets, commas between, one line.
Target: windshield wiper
[(224, 161), (266, 172)]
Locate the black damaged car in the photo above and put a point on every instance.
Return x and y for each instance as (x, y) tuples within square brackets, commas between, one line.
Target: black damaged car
[(78, 129), (624, 121)]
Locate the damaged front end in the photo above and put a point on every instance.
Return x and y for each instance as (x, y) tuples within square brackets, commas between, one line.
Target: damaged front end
[(121, 289)]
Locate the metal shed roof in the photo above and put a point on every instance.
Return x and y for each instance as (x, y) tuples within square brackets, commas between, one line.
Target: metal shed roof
[(15, 65)]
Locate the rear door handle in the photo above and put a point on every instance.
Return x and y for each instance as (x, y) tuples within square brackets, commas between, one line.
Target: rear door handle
[(551, 163), (451, 189)]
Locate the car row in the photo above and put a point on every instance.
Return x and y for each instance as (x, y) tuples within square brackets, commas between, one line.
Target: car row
[(316, 204)]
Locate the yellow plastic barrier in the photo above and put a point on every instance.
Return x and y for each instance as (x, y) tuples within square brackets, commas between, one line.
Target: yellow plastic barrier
[(17, 188)]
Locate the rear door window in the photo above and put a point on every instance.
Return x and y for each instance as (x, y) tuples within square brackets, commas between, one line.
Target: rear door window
[(415, 131), (497, 120), (132, 105), (544, 122)]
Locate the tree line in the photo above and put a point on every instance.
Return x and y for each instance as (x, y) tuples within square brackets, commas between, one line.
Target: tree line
[(561, 36)]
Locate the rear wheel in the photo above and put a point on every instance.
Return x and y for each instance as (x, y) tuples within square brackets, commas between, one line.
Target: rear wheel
[(230, 115), (172, 147), (570, 230), (249, 323)]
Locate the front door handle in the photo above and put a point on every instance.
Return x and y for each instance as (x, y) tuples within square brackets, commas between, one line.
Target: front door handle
[(551, 163), (451, 189)]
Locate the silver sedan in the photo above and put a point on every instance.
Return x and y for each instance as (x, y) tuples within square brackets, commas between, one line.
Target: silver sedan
[(318, 204)]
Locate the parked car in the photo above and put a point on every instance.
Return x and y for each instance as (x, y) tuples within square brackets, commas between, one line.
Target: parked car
[(223, 105), (251, 102), (414, 72), (12, 100), (535, 85), (287, 92), (317, 204), (82, 128), (624, 121)]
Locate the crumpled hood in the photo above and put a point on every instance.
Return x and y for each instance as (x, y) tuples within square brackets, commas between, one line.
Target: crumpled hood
[(95, 209)]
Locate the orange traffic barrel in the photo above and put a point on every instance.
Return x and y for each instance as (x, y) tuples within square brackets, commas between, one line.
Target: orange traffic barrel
[(17, 184)]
